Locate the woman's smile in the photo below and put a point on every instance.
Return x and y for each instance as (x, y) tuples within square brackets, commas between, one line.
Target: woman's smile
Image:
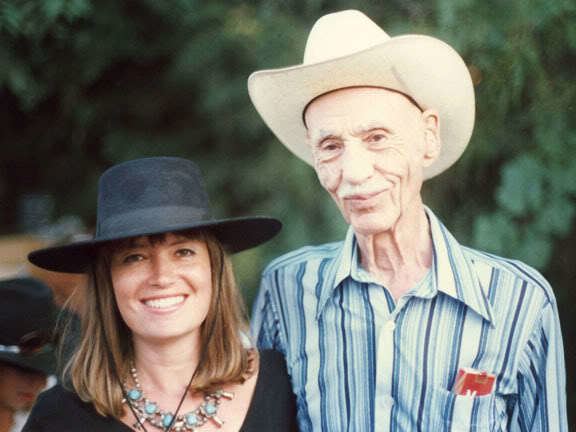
[(165, 302)]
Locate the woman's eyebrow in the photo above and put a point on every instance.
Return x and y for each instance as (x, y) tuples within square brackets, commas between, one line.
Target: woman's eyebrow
[(180, 240)]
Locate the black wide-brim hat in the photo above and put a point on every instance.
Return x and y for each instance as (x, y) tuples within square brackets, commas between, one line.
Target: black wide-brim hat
[(27, 319), (153, 196)]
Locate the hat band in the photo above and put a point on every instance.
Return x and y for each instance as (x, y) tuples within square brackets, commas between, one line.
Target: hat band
[(155, 219), (24, 351), (12, 349)]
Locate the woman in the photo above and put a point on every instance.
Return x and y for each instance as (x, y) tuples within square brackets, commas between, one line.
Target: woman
[(164, 340)]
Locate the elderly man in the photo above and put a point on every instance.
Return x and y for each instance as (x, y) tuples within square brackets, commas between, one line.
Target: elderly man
[(398, 327)]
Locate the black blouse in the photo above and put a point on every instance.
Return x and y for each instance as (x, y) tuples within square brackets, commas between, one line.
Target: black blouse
[(273, 406)]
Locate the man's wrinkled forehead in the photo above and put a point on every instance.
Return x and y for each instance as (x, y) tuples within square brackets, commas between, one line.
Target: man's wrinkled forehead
[(409, 98)]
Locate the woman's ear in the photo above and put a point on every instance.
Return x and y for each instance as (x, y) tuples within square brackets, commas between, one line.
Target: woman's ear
[(432, 142)]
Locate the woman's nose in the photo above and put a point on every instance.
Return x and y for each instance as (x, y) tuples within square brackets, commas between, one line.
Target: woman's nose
[(161, 272)]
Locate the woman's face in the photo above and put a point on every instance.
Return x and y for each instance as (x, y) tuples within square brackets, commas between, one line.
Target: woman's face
[(163, 288)]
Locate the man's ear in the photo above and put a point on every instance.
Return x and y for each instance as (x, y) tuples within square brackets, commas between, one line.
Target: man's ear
[(432, 142)]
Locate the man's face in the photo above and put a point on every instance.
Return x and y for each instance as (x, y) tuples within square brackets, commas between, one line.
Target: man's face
[(19, 387), (370, 146)]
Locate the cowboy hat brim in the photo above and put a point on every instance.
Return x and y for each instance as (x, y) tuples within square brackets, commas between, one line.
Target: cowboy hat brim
[(236, 234), (422, 67)]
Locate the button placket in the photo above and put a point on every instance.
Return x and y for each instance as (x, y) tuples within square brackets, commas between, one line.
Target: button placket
[(384, 370)]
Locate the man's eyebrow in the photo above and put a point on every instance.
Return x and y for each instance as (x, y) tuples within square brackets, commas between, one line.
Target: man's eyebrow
[(370, 127), (323, 136)]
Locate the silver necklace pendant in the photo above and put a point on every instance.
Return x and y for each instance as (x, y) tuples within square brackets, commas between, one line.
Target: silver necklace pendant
[(149, 411)]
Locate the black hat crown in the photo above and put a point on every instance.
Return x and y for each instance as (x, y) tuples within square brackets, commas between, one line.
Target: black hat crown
[(150, 195)]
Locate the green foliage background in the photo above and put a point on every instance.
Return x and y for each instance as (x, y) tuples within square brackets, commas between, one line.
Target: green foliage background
[(85, 84)]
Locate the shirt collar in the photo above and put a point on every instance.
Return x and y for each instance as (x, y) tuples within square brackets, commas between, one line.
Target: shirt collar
[(453, 274), (339, 269)]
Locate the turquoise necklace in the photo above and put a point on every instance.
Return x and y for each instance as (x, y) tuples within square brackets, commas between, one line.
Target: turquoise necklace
[(149, 411)]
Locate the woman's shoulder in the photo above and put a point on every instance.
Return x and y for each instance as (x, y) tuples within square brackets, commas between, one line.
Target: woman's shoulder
[(60, 409), (51, 406), (273, 404), (272, 369), (56, 398), (272, 359)]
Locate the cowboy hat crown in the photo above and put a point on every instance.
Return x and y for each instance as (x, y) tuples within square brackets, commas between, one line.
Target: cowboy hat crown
[(327, 41), (347, 49)]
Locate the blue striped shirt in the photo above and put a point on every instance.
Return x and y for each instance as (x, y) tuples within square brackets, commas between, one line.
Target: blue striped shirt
[(360, 361)]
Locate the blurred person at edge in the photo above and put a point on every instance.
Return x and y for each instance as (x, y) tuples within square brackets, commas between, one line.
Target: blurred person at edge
[(69, 291), (67, 288), (376, 328), (164, 342), (27, 357)]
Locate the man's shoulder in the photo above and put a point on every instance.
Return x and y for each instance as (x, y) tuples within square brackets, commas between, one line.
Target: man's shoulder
[(306, 254), (518, 272)]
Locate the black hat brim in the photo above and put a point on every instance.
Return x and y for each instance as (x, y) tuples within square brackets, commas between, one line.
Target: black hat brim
[(44, 362), (236, 235)]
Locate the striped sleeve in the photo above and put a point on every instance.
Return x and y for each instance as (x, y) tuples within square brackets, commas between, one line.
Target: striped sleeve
[(265, 323), (541, 379)]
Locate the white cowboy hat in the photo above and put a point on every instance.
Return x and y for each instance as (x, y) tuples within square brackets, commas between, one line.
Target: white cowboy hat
[(347, 49)]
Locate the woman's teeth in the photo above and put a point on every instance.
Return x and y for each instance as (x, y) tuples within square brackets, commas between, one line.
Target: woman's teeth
[(164, 302)]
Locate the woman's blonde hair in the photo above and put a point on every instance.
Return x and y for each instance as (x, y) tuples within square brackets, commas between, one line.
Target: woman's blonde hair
[(105, 351)]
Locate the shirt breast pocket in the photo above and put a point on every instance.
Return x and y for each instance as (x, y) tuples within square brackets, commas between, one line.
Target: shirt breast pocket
[(464, 413)]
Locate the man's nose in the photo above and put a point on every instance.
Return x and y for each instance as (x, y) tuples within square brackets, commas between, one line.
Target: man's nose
[(357, 164)]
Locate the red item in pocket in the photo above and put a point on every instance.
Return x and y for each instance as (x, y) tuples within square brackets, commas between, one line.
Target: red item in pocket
[(472, 382)]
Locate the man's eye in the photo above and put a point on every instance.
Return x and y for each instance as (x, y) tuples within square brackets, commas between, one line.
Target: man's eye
[(376, 138), (329, 146)]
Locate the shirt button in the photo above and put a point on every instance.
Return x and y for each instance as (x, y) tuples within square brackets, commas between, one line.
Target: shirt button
[(385, 402), (389, 325)]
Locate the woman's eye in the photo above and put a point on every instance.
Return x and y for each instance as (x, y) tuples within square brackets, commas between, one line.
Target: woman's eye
[(184, 252), (132, 258)]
